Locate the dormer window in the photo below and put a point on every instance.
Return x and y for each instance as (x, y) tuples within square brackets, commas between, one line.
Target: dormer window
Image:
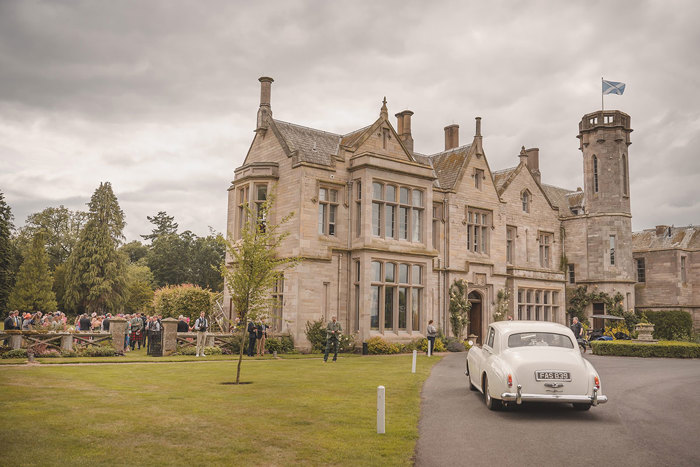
[(525, 197)]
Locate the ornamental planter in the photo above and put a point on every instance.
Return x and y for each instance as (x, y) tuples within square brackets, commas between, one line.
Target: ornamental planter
[(645, 331)]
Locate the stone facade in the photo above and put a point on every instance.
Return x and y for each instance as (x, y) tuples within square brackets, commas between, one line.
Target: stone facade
[(668, 269), (384, 231)]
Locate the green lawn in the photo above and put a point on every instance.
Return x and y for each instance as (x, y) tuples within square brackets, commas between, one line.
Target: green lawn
[(296, 411)]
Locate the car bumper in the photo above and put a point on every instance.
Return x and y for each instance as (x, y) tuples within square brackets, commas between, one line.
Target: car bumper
[(518, 397)]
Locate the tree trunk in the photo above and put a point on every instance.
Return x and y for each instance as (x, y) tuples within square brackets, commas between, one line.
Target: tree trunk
[(240, 355)]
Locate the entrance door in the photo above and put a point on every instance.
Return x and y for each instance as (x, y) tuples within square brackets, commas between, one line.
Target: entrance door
[(475, 315), (598, 309)]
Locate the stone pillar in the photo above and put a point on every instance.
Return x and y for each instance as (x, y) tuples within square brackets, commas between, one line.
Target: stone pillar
[(169, 336), (67, 342), (117, 327), (209, 341), (16, 341)]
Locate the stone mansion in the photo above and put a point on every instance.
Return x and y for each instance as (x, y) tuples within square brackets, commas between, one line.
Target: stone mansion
[(384, 231)]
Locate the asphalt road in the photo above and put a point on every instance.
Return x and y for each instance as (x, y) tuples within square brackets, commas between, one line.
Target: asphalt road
[(652, 418)]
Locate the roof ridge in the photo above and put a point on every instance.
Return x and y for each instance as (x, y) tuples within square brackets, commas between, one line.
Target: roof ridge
[(465, 146), (308, 128), (500, 171)]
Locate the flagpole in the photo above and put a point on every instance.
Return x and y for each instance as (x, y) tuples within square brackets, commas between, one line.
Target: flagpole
[(602, 95)]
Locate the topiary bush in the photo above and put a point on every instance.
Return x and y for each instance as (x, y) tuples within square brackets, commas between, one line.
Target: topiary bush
[(378, 346), (191, 350), (667, 349), (671, 324)]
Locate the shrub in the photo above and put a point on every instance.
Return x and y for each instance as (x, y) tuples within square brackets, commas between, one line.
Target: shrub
[(669, 349), (378, 346), (671, 324), (316, 334), (439, 345), (17, 353), (97, 351), (191, 350), (69, 353), (186, 299), (281, 344), (613, 329), (453, 345)]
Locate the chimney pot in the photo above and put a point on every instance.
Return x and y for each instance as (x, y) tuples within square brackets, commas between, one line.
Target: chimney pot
[(264, 111), (478, 126), (451, 137)]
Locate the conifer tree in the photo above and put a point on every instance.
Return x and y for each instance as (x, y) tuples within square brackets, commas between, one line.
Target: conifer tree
[(96, 270), (6, 253), (33, 290)]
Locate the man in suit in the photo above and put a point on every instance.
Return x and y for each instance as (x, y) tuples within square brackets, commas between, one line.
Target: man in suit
[(252, 336), (333, 331), (182, 325), (201, 326)]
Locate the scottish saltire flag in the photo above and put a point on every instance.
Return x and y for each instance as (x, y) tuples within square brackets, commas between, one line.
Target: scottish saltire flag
[(613, 87)]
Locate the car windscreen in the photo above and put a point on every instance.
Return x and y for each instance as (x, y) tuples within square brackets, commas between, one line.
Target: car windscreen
[(544, 339)]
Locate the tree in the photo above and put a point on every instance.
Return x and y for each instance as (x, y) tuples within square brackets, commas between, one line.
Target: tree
[(33, 290), (96, 275), (186, 299), (255, 267), (135, 251), (459, 307), (164, 225), (7, 253), (168, 260), (61, 228), (139, 289), (502, 304), (206, 255)]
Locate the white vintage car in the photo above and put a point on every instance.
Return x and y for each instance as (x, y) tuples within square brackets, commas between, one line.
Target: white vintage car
[(532, 361)]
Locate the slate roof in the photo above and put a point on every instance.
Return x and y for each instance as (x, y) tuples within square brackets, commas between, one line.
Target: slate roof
[(500, 177), (562, 198), (447, 165), (679, 238), (315, 146)]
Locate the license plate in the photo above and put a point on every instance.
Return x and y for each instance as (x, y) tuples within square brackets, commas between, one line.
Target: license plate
[(552, 375)]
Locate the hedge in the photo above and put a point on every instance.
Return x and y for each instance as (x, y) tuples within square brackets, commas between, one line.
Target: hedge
[(671, 324), (667, 349)]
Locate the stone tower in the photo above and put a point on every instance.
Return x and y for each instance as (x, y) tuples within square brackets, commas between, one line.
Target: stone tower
[(604, 141)]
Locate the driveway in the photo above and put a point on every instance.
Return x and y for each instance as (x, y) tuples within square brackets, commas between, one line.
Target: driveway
[(652, 418)]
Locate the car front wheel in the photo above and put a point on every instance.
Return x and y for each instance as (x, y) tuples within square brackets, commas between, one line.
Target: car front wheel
[(491, 403)]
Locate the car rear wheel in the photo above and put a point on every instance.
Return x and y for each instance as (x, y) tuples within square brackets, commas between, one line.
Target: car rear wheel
[(582, 407), (491, 403)]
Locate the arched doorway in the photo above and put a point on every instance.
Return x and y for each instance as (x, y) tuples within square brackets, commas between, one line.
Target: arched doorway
[(475, 315)]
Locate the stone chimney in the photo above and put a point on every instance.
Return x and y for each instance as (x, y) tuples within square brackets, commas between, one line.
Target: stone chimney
[(451, 137), (403, 120), (662, 230), (264, 111), (533, 163)]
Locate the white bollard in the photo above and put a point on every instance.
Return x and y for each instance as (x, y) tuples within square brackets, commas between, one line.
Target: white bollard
[(380, 410), (430, 349), (413, 367)]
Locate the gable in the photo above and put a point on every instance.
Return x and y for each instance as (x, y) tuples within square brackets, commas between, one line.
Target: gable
[(521, 179), (379, 138), (266, 147), (466, 178)]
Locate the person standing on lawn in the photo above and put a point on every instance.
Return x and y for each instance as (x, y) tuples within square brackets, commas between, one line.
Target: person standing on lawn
[(333, 331), (252, 336), (432, 334), (136, 332), (261, 333), (201, 326)]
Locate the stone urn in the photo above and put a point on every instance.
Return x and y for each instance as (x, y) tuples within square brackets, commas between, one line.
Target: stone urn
[(645, 331)]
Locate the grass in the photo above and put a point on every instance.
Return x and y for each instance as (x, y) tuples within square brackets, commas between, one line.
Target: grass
[(296, 411), (139, 356)]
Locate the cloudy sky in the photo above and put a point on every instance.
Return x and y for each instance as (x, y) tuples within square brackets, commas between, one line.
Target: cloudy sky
[(160, 98)]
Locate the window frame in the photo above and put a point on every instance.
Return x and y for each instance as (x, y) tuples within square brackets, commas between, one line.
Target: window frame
[(407, 222), (389, 289), (478, 230), (546, 246), (327, 210)]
